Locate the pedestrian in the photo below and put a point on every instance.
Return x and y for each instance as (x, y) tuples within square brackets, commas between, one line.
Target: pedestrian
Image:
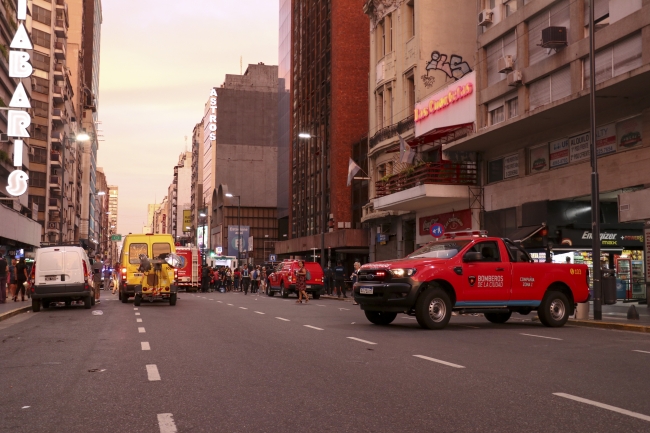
[(255, 280), (98, 266), (205, 278), (21, 278), (339, 279), (12, 278), (301, 283), (4, 270), (246, 279), (237, 278), (228, 280), (327, 280), (116, 278), (355, 277), (263, 279)]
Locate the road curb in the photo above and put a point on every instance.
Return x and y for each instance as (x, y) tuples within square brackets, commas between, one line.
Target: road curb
[(610, 325), (12, 313)]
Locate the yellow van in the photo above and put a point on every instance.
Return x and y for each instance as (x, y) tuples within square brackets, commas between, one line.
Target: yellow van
[(145, 269)]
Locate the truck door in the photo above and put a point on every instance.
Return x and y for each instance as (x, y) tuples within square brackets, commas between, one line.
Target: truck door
[(487, 282)]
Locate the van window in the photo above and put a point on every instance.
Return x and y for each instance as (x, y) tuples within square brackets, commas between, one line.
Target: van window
[(160, 249), (134, 252)]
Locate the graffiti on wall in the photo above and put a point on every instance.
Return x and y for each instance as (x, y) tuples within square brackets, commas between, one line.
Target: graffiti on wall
[(455, 68)]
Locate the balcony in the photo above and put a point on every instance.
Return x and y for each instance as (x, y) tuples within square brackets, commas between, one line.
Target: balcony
[(55, 182), (57, 94), (428, 185), (58, 72), (60, 28), (59, 50), (54, 204), (392, 131), (55, 159), (58, 117)]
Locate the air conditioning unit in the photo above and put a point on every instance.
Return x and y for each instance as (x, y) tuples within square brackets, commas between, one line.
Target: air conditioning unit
[(505, 64), (514, 78), (485, 17), (554, 37)]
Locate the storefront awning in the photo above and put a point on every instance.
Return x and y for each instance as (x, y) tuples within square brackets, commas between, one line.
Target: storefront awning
[(442, 135), (522, 234)]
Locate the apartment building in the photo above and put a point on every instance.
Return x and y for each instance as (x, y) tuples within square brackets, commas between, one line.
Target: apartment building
[(113, 202), (180, 197), (102, 234), (328, 51), (532, 136), (196, 200), (420, 52)]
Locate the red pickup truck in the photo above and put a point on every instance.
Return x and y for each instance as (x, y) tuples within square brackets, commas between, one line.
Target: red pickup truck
[(469, 272), (283, 280)]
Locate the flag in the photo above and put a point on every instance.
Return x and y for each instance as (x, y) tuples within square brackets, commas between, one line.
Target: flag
[(406, 152), (353, 169)]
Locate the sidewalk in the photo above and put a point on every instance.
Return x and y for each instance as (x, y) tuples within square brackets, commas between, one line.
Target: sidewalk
[(615, 317), (11, 308)]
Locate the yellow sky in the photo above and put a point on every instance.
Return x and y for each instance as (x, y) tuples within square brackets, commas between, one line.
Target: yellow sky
[(159, 60)]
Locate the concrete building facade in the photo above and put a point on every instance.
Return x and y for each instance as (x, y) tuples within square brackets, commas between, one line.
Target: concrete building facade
[(197, 203), (180, 191)]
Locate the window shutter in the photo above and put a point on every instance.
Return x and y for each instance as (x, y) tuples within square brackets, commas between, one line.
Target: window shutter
[(535, 26), (601, 9), (627, 55), (560, 17), (540, 92), (493, 53), (560, 84)]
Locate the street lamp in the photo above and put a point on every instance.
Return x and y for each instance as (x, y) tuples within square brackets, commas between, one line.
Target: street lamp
[(82, 137), (308, 136), (229, 195)]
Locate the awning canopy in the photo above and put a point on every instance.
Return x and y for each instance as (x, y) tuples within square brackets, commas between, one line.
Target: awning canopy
[(522, 234), (442, 135)]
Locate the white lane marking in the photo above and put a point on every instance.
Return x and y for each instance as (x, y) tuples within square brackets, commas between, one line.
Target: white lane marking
[(220, 302), (313, 327), (135, 309), (137, 314), (152, 372), (166, 423), (25, 407), (211, 299), (346, 309), (243, 308), (439, 361), (640, 351), (229, 304), (409, 318), (321, 305), (280, 318), (145, 345), (259, 312), (138, 320), (362, 341), (541, 336), (141, 330), (604, 406)]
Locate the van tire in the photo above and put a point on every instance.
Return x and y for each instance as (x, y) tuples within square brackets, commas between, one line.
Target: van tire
[(36, 305), (172, 299), (88, 302), (124, 298), (316, 295), (284, 293), (137, 300)]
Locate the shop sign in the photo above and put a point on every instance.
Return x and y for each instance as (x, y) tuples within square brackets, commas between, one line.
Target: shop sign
[(628, 133), (18, 121), (511, 166), (187, 219), (212, 123), (608, 238), (606, 139), (559, 152), (455, 104), (580, 146), (538, 159), (451, 221), (382, 239)]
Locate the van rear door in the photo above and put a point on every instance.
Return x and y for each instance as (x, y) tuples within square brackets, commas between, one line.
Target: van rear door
[(74, 273), (50, 267)]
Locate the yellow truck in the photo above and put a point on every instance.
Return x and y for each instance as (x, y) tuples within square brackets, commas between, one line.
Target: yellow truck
[(148, 269)]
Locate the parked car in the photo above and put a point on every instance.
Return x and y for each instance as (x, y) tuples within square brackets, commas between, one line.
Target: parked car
[(283, 279), (61, 273)]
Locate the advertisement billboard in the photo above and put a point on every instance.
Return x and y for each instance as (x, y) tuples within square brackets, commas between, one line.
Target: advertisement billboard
[(235, 233)]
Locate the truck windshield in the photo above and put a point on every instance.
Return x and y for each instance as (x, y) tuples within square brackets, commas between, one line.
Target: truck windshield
[(439, 250)]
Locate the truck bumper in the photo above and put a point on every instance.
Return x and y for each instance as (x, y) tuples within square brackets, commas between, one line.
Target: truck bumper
[(63, 291), (388, 297)]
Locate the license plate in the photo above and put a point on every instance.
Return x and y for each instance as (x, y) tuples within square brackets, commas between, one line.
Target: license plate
[(366, 290), (138, 274), (50, 278), (308, 286)]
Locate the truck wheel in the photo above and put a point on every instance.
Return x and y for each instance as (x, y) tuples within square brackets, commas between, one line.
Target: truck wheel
[(92, 300), (498, 317), (124, 298), (137, 300), (36, 305), (46, 304), (284, 293), (269, 292), (316, 295), (554, 309), (380, 317), (87, 302), (68, 302), (433, 309), (172, 299)]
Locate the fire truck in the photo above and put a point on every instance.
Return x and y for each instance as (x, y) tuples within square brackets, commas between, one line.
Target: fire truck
[(189, 274)]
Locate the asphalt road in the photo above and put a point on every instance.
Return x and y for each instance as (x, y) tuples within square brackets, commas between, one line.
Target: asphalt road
[(234, 363)]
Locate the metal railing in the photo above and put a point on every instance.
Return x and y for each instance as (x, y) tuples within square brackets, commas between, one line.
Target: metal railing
[(392, 130), (439, 173)]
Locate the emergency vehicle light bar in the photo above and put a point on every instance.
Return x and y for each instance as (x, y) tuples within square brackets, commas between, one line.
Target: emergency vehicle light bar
[(465, 233)]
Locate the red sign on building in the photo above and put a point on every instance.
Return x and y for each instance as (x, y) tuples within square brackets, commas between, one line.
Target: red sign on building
[(452, 221)]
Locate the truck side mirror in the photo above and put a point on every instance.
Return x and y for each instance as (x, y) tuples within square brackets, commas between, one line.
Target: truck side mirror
[(472, 256)]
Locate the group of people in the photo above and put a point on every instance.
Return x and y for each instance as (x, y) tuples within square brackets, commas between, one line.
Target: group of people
[(13, 276), (334, 279), (241, 279)]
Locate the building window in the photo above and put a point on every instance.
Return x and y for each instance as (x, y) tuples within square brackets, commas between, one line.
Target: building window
[(41, 108), (389, 106), (615, 60), (39, 155), (383, 38), (495, 170), (410, 89), (550, 88), (41, 15), (505, 46), (497, 115), (39, 200), (40, 85), (410, 8), (380, 110), (38, 132), (556, 16), (390, 33), (40, 61), (36, 179), (511, 7), (41, 38), (512, 108)]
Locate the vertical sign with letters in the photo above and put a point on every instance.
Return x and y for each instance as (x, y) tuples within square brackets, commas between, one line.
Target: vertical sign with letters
[(212, 124)]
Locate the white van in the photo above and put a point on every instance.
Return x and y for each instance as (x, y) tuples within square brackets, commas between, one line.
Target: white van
[(61, 274)]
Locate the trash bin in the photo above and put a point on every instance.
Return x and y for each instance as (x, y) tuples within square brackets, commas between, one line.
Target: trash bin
[(582, 312), (608, 278)]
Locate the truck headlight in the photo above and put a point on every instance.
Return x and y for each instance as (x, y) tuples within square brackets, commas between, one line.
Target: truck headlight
[(400, 273)]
